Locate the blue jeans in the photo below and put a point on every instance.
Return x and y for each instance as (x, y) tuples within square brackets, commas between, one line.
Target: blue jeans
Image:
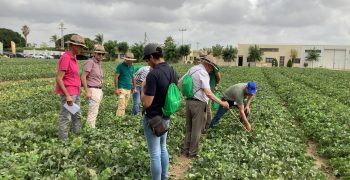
[(136, 100), (158, 152)]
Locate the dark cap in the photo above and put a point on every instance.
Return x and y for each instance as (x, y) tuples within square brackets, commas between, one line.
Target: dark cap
[(152, 48)]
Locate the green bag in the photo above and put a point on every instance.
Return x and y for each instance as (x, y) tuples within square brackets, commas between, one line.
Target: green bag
[(187, 85), (214, 104), (172, 101)]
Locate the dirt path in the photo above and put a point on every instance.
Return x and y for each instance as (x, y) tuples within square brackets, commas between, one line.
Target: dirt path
[(180, 167), (24, 80), (320, 162)]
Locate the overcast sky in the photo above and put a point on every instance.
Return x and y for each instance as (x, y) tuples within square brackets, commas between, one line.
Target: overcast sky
[(209, 22)]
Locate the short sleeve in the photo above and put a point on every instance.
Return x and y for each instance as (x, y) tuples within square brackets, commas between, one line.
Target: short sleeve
[(88, 66), (118, 69), (151, 87), (63, 63)]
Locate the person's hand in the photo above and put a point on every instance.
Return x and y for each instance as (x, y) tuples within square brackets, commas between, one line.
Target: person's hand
[(117, 91), (88, 94), (69, 100), (225, 104), (134, 91), (249, 127), (216, 87), (247, 109)]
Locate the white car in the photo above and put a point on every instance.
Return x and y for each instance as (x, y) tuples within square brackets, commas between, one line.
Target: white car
[(49, 57), (39, 56)]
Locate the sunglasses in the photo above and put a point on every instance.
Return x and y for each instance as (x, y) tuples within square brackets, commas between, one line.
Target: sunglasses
[(99, 54)]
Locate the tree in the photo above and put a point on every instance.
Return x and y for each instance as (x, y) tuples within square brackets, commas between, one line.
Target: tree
[(123, 47), (137, 50), (110, 47), (217, 50), (54, 39), (229, 53), (290, 63), (293, 55), (274, 62), (25, 31), (255, 53), (313, 55), (65, 38), (99, 38), (184, 50), (171, 53), (7, 35), (90, 44), (43, 45)]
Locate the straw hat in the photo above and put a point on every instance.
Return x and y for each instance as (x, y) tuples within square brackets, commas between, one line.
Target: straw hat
[(99, 49), (129, 57), (77, 40), (209, 59)]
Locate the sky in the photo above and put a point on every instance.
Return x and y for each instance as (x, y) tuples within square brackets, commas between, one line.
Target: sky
[(207, 22)]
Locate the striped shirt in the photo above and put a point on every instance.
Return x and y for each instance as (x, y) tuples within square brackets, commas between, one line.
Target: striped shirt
[(200, 79), (141, 74)]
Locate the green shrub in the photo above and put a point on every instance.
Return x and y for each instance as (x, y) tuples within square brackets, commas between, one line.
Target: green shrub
[(290, 63)]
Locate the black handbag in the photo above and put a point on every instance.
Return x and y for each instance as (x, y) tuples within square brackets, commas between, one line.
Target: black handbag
[(159, 125)]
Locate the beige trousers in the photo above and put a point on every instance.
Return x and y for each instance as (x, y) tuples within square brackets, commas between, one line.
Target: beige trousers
[(94, 104), (123, 99)]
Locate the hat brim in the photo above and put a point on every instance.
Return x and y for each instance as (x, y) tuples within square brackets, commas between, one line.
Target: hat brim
[(100, 52), (203, 59), (75, 43), (129, 59)]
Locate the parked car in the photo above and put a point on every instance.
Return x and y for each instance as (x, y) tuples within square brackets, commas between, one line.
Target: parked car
[(9, 54), (38, 56), (49, 57), (20, 55)]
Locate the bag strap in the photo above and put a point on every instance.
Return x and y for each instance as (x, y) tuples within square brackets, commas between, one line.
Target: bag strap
[(192, 81)]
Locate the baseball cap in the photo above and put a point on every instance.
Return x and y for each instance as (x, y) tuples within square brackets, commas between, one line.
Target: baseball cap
[(251, 87), (152, 48)]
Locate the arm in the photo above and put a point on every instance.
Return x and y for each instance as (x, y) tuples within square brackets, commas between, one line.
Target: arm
[(146, 100), (179, 85), (59, 80), (134, 83), (84, 82), (212, 96), (241, 112), (116, 90), (249, 100)]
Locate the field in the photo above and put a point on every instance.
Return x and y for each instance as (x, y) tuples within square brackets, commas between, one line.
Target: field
[(293, 109)]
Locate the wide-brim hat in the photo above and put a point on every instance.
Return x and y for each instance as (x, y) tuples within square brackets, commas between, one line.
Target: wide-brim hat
[(129, 57), (77, 40), (99, 49), (209, 59)]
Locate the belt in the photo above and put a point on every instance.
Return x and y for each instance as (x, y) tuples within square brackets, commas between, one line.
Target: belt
[(95, 87), (193, 99)]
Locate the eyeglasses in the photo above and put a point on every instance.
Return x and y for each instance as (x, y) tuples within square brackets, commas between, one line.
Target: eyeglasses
[(99, 54)]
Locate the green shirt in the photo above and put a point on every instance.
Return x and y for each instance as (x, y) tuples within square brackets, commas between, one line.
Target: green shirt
[(137, 68), (125, 75), (213, 79), (236, 93)]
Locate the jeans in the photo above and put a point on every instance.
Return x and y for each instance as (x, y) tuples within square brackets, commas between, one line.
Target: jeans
[(65, 116), (136, 100), (158, 152)]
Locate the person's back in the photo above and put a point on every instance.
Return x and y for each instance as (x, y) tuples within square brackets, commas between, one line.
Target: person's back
[(236, 92)]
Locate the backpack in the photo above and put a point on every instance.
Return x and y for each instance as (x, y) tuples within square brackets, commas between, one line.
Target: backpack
[(173, 98), (187, 85)]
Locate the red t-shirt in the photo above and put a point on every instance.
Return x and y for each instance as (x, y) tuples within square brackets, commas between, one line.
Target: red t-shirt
[(71, 79)]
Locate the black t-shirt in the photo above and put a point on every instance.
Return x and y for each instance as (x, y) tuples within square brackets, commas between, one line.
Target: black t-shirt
[(157, 83)]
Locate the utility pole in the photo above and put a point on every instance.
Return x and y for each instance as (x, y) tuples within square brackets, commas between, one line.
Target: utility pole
[(197, 44), (62, 28), (182, 32), (146, 38)]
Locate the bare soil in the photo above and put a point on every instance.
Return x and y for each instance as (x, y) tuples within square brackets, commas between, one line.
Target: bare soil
[(180, 167)]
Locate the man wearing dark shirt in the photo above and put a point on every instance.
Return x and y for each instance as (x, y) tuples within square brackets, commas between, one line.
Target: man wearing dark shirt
[(153, 96)]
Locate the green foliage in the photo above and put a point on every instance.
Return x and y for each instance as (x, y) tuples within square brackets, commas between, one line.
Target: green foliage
[(99, 38), (137, 50), (293, 54), (7, 35), (217, 50), (25, 31), (65, 39), (290, 63), (123, 47), (184, 50), (306, 64), (313, 55), (54, 39), (274, 62), (255, 53), (229, 53), (90, 44), (111, 48), (170, 51)]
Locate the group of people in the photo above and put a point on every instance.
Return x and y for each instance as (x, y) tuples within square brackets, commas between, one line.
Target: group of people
[(149, 85)]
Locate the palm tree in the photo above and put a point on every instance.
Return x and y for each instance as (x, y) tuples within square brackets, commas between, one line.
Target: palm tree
[(313, 55), (25, 31), (99, 38), (255, 53), (293, 54), (53, 39)]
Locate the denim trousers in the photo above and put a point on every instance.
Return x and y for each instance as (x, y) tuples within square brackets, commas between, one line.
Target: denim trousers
[(136, 100), (65, 116), (157, 150)]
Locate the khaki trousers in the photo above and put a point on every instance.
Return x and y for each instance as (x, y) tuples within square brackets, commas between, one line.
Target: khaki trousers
[(123, 99), (94, 104)]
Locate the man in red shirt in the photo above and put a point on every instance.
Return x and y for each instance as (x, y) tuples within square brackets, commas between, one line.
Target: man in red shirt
[(68, 85)]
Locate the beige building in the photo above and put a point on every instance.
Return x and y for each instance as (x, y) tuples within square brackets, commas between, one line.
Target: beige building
[(331, 56)]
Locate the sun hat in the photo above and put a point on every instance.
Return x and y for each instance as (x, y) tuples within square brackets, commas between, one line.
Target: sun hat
[(129, 57), (209, 59), (251, 87), (99, 49), (152, 48), (77, 40)]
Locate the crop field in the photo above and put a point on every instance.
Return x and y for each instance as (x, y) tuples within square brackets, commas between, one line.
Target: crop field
[(292, 109)]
